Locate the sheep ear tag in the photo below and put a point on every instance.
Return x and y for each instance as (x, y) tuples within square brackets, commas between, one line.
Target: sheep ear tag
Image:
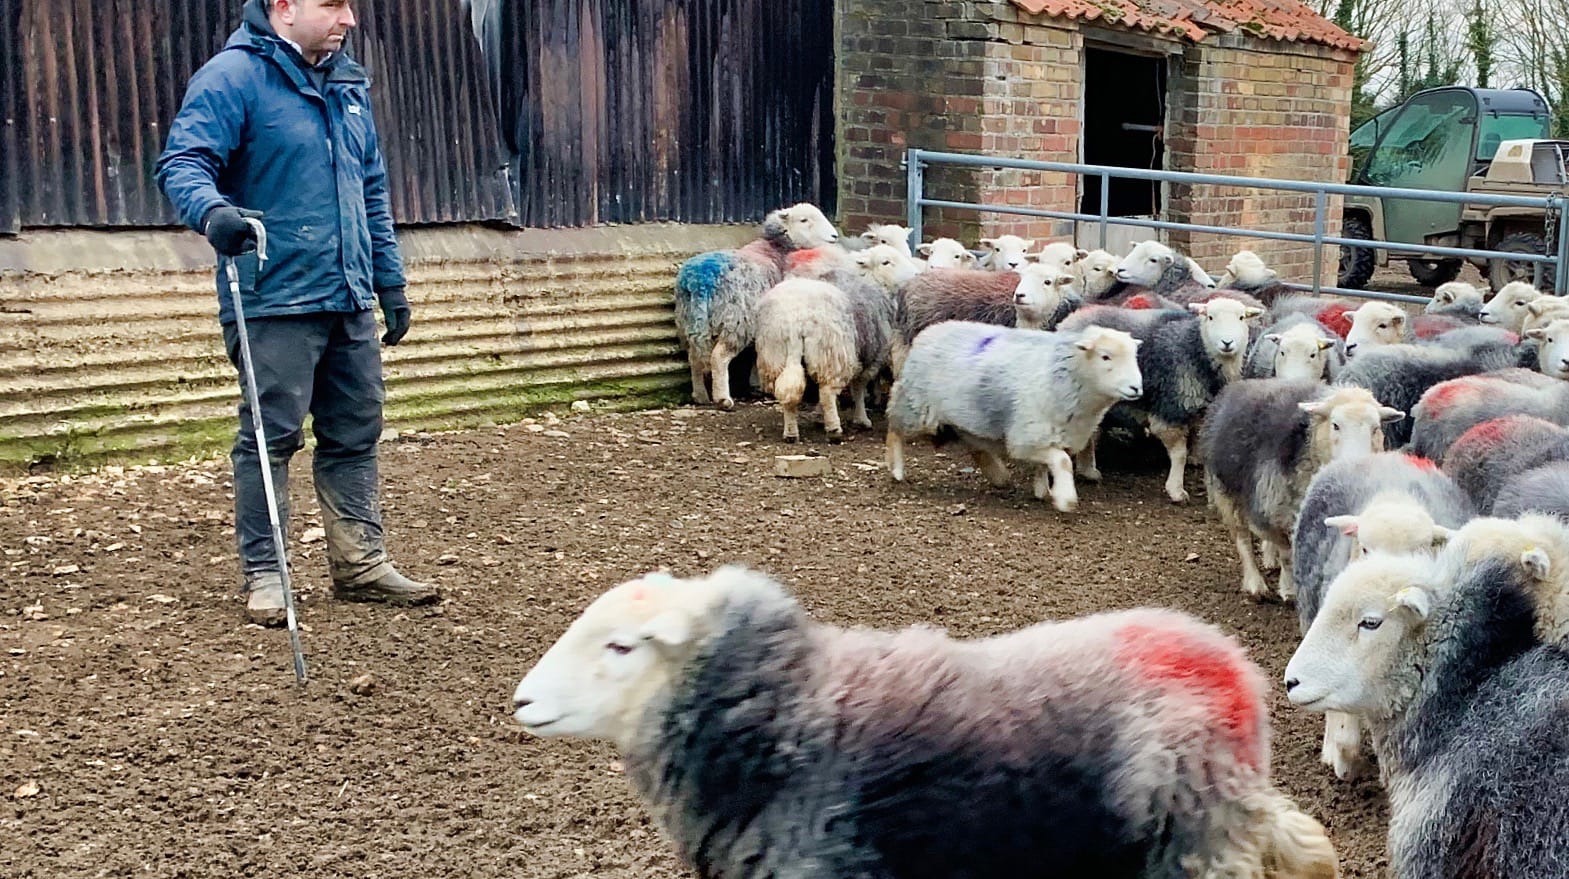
[(671, 628), (1414, 601)]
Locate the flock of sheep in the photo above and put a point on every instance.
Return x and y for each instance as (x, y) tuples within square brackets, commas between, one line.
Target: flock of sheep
[(1408, 476)]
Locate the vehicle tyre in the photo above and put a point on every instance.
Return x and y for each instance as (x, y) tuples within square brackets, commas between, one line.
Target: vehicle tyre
[(1432, 272), (1502, 271), (1356, 263)]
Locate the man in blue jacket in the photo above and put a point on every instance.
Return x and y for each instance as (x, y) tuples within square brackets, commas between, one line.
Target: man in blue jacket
[(278, 125)]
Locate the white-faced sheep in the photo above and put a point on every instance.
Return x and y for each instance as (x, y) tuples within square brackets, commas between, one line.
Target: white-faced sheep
[(1483, 459), (1060, 253), (1186, 358), (1155, 268), (1456, 299), (1552, 353), (1393, 503), (836, 335), (1451, 408), (1248, 273), (769, 744), (1381, 323), (1507, 308), (1400, 374), (1097, 274), (938, 295), (886, 267), (1034, 397), (1297, 347), (1263, 441), (1539, 544), (946, 253), (1467, 709), (1543, 311), (1543, 489), (1005, 253), (888, 234), (716, 295)]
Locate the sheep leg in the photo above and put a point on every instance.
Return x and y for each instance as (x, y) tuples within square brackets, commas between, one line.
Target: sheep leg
[(1342, 749), (858, 396), (1084, 462), (699, 377), (1269, 560), (719, 370), (1059, 467), (1252, 579), (1175, 438), (792, 420), (1288, 586), (893, 451), (992, 467), (828, 400)]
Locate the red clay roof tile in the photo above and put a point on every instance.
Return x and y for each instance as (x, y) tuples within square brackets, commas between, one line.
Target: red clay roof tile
[(1288, 20)]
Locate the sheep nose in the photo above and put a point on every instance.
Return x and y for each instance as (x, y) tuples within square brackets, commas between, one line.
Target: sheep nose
[(1350, 347), (519, 703), (1227, 346), (1019, 299), (1291, 684)]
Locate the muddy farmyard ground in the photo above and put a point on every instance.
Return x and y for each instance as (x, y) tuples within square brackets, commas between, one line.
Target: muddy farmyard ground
[(144, 731)]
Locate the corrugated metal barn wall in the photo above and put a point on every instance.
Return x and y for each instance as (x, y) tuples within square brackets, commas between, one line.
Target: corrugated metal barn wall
[(699, 111), (90, 86)]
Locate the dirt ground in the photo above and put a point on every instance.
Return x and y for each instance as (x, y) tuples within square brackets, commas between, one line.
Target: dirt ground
[(144, 730)]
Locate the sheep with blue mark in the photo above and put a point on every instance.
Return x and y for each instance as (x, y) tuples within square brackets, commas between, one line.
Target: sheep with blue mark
[(1457, 299), (1186, 357), (1543, 489), (1486, 456), (1034, 397), (1449, 409), (716, 295), (1297, 347), (1393, 503), (1125, 745), (1467, 708), (1263, 441)]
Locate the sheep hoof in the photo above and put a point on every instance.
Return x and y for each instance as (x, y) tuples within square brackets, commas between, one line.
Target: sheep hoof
[(1066, 505), (1091, 475), (726, 404), (1255, 587), (791, 438), (864, 422), (1180, 496), (835, 437)]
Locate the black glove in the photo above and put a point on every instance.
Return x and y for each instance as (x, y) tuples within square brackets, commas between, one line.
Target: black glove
[(226, 228), (395, 308)]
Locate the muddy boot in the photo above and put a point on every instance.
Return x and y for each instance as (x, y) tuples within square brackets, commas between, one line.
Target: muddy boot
[(389, 588), (264, 599)]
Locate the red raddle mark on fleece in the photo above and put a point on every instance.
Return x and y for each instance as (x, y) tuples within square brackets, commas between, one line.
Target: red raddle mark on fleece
[(1334, 316), (1444, 396), (1421, 463), (810, 258), (1487, 435), (1426, 326), (1141, 301), (1178, 662)]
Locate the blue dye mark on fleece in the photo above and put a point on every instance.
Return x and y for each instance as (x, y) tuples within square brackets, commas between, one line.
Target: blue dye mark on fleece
[(983, 343), (699, 276)]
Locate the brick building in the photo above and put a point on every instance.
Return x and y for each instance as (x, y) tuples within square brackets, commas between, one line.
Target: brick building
[(1257, 88)]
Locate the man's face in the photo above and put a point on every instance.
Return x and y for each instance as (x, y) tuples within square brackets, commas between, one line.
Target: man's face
[(319, 26)]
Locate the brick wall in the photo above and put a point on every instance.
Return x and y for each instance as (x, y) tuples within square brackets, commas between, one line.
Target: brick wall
[(1258, 108), (963, 76)]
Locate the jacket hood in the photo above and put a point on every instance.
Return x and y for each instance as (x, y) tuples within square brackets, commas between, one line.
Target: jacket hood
[(256, 34)]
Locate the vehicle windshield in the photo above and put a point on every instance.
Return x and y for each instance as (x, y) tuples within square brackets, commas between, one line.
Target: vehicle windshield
[(1497, 129)]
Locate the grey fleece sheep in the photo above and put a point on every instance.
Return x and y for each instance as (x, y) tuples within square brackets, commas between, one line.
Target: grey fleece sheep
[(1489, 454), (716, 295), (1031, 396), (1398, 375), (987, 297), (1451, 408), (1543, 489), (1299, 347), (1152, 267), (1247, 273), (767, 744), (1470, 722)]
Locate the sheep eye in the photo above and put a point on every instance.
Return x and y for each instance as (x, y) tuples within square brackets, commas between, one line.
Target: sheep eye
[(618, 649), (1105, 357), (1383, 326), (1370, 623), (1334, 426)]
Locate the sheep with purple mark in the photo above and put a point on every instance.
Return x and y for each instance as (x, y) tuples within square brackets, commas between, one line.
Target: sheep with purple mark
[(1262, 443), (716, 295), (1034, 397), (1467, 710), (1485, 457), (1125, 745)]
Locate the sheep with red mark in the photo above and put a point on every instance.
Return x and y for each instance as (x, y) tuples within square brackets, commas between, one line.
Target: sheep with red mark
[(1034, 397), (947, 253), (1543, 489), (1552, 351), (1334, 314), (1485, 457), (1450, 409), (1382, 323), (1509, 306), (1005, 253), (1399, 375), (716, 295), (1391, 502), (1262, 443), (1247, 273), (1125, 745), (1457, 299), (1467, 710), (938, 295), (1297, 347)]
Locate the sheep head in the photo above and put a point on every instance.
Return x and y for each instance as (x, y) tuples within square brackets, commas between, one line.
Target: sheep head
[(1006, 253), (1041, 290), (1247, 269), (1456, 297), (887, 266), (1145, 264), (801, 226), (1111, 362), (946, 253), (1301, 352), (1097, 272), (1508, 307), (1375, 324), (1394, 524), (1060, 253), (1347, 424), (1552, 355), (891, 235), (1223, 326)]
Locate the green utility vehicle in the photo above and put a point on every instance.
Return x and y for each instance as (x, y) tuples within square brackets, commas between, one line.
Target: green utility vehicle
[(1453, 139)]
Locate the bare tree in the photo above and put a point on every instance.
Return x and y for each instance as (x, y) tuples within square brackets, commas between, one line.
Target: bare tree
[(1534, 51)]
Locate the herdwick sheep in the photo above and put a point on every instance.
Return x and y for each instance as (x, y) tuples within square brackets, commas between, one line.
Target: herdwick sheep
[(1263, 441), (1126, 745), (716, 295), (1540, 545), (1060, 253), (889, 234), (946, 253), (1470, 724), (1379, 323), (1507, 308), (938, 295), (1543, 489), (1392, 502), (1450, 409), (1297, 347), (1156, 268), (837, 335), (1097, 274), (1005, 253), (1186, 358), (1334, 314), (1486, 456), (1030, 396), (887, 267), (1400, 374), (1248, 273), (1543, 311), (1457, 299), (1552, 353)]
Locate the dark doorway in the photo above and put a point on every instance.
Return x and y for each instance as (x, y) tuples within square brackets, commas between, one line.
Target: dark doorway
[(1124, 116)]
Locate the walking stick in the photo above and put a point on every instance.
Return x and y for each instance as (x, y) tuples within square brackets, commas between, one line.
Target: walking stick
[(248, 378)]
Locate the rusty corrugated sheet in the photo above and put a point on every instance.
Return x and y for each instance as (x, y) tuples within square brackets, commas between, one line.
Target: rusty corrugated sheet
[(94, 85), (129, 366), (692, 110)]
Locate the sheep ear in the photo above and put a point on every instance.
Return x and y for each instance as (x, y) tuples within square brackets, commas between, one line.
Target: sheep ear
[(989, 243), (1198, 307), (1080, 254), (869, 236), (1324, 344), (1251, 312), (1272, 338), (1346, 525), (1441, 535), (1314, 408), (924, 250), (671, 628), (1536, 307), (1536, 563), (863, 260), (1413, 600), (1167, 260), (784, 215), (1085, 344), (1387, 414), (1398, 320), (1538, 334)]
